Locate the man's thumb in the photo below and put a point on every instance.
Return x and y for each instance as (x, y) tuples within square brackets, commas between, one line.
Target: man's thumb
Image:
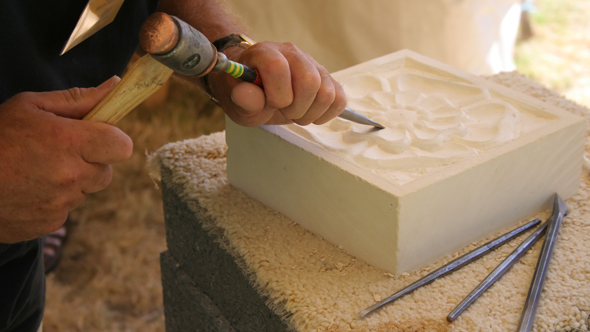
[(249, 97), (75, 102)]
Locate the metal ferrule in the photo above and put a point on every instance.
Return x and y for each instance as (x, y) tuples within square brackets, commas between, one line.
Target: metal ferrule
[(193, 55)]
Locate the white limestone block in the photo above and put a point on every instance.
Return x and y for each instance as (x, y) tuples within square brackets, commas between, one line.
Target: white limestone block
[(460, 158)]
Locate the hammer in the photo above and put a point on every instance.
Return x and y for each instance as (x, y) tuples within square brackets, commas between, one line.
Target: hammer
[(172, 45)]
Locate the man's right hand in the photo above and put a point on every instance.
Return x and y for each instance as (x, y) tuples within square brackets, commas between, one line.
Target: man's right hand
[(50, 159)]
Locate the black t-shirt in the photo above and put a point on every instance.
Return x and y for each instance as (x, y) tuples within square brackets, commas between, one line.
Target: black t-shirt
[(22, 286), (32, 35)]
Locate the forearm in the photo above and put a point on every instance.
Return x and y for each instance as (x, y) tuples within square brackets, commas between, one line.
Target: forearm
[(213, 18)]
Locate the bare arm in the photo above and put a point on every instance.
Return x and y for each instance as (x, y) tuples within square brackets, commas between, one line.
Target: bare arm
[(213, 18)]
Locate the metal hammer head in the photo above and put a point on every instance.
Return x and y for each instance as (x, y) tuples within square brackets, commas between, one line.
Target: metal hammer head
[(177, 45)]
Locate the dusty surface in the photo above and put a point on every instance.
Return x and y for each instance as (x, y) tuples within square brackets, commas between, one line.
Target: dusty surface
[(109, 279)]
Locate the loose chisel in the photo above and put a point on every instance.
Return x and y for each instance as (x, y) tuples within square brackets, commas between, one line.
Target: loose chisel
[(453, 265)]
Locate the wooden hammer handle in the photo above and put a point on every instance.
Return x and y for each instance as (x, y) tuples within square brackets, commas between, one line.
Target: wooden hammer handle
[(142, 79)]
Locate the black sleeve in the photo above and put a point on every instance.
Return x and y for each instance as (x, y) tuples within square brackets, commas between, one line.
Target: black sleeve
[(33, 33)]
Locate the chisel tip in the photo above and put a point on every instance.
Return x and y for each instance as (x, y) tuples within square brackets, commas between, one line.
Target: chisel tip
[(363, 313), (353, 116)]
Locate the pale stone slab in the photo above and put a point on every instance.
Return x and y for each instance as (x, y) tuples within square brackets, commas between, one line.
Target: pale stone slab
[(461, 158)]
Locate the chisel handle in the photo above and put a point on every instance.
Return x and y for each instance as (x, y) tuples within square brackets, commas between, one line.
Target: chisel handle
[(237, 70)]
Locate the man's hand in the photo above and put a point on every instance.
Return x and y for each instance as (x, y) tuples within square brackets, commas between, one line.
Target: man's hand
[(50, 160), (295, 88)]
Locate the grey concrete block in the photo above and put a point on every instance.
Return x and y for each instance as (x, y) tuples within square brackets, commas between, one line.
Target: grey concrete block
[(186, 308), (212, 268)]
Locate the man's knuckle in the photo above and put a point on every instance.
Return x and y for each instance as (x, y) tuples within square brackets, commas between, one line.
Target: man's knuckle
[(57, 204), (303, 122), (54, 223), (66, 203), (22, 96), (275, 65), (340, 102), (67, 138), (326, 95), (290, 46), (295, 111), (311, 81), (74, 94), (105, 178), (111, 139), (126, 147), (67, 177), (279, 103)]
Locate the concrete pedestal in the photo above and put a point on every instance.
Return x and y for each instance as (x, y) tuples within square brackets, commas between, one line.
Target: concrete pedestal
[(204, 289), (233, 264)]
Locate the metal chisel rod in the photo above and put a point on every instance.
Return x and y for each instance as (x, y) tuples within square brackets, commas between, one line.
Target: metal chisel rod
[(353, 116), (532, 301), (452, 266), (498, 272)]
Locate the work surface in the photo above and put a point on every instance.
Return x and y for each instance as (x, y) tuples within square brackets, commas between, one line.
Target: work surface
[(315, 286)]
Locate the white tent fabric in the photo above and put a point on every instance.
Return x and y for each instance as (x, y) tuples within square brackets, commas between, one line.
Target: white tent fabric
[(477, 36)]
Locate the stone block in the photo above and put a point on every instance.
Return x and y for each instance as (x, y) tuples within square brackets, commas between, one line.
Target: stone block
[(460, 158)]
